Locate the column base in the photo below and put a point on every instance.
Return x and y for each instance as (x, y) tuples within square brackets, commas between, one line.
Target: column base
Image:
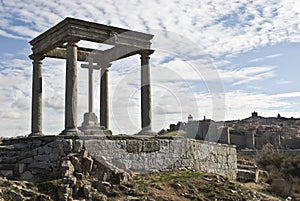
[(96, 132), (146, 132), (71, 132), (38, 134)]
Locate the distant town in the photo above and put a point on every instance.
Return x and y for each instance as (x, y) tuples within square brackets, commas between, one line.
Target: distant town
[(252, 132)]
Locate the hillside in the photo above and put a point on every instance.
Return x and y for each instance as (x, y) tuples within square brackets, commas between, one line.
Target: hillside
[(180, 186)]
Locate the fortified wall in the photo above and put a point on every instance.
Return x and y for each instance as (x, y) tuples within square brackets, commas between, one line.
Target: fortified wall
[(217, 132), (110, 158)]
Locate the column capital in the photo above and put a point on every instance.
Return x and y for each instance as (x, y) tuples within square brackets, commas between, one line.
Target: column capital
[(72, 41), (105, 65), (36, 57), (145, 52)]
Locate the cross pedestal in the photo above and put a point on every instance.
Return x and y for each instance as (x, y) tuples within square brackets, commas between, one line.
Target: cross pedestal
[(90, 125)]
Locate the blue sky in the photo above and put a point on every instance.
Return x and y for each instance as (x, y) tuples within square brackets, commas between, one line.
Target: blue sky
[(214, 58)]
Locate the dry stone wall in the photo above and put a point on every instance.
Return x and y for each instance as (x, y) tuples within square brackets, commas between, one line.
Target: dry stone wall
[(141, 156), (110, 158)]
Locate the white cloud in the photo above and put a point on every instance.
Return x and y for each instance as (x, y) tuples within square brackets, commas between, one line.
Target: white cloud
[(247, 74), (220, 27), (264, 58)]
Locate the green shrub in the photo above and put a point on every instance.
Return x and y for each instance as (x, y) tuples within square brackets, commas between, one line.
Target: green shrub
[(284, 172)]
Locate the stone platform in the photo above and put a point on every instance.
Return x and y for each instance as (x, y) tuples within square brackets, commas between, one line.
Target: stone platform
[(38, 158)]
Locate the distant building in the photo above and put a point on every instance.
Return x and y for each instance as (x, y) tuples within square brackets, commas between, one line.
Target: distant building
[(190, 118), (254, 114)]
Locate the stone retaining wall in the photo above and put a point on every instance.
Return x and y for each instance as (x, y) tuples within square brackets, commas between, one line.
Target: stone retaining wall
[(38, 158)]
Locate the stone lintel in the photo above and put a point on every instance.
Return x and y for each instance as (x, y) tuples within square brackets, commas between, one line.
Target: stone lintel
[(89, 31), (106, 56)]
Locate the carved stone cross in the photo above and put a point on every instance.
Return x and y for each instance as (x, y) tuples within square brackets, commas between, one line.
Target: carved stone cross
[(91, 68)]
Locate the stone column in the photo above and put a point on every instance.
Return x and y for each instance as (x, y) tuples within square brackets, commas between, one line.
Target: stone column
[(146, 93), (36, 107), (104, 116), (71, 89)]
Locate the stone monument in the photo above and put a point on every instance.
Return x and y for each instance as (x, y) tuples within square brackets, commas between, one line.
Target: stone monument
[(61, 42), (90, 125)]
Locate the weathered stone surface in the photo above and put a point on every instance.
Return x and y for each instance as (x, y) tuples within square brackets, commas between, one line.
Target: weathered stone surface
[(68, 146), (21, 167), (86, 191), (27, 176), (69, 180), (78, 145), (44, 150), (8, 159), (87, 164), (134, 146), (7, 173), (99, 186), (45, 157), (126, 154), (28, 154), (66, 169), (64, 193), (150, 146), (7, 166), (54, 157), (76, 163), (27, 160), (40, 165), (246, 175)]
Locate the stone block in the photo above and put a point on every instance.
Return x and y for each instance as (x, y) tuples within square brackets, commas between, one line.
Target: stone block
[(7, 166), (28, 154), (21, 147), (134, 146), (27, 160), (40, 165), (42, 158), (55, 144), (36, 143), (78, 145), (21, 167), (68, 145), (99, 186), (87, 164), (121, 144), (8, 160), (54, 157), (7, 173), (246, 175), (76, 163), (27, 176), (44, 150), (84, 153), (69, 180), (5, 153), (64, 192), (66, 168), (150, 146)]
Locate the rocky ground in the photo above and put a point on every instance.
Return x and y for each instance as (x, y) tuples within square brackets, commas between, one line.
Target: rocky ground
[(180, 185)]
